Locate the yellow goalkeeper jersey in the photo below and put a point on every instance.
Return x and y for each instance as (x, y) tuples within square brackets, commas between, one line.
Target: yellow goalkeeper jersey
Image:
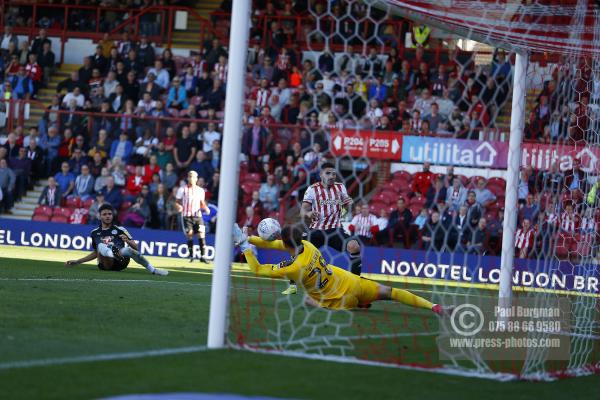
[(330, 286)]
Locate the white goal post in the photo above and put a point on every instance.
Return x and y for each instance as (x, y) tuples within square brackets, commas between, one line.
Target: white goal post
[(238, 49)]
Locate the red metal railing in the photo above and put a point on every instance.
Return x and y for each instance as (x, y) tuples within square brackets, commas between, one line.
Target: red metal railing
[(163, 37)]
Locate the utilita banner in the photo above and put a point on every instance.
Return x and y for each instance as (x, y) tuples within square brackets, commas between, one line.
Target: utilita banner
[(394, 146), (457, 152), (542, 156), (456, 267)]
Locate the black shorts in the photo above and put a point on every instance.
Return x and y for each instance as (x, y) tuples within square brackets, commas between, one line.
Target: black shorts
[(192, 224), (117, 265), (335, 238)]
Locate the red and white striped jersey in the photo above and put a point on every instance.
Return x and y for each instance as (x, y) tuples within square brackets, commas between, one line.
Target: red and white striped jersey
[(327, 204), (569, 222), (362, 225), (283, 62), (262, 97), (588, 224), (198, 67), (523, 239), (191, 198), (221, 72)]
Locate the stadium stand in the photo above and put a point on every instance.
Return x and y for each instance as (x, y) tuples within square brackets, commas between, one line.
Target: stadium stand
[(139, 117)]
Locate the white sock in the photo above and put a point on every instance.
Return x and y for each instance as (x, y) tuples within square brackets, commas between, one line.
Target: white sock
[(137, 257), (105, 251)]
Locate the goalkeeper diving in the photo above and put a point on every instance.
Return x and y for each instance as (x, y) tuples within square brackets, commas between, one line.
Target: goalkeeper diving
[(326, 285)]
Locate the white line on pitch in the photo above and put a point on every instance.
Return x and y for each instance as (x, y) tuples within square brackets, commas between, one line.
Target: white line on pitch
[(100, 357), (127, 281), (237, 287)]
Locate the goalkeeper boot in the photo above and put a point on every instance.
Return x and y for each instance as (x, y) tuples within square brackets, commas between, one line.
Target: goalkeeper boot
[(292, 289), (160, 271)]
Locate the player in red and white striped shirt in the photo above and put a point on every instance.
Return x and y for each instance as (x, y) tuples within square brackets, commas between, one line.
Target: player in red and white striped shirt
[(524, 239), (324, 204), (191, 202), (364, 224), (221, 69)]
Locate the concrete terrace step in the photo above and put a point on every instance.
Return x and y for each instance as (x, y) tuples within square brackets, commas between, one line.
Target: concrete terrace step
[(16, 216), (26, 206), (22, 213)]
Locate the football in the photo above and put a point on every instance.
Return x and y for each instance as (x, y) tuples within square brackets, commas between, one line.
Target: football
[(269, 229)]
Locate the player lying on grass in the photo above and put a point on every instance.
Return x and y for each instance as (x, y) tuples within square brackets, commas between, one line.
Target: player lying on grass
[(326, 285), (114, 246)]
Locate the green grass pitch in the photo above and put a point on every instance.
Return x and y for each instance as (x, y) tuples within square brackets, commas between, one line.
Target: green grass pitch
[(52, 313)]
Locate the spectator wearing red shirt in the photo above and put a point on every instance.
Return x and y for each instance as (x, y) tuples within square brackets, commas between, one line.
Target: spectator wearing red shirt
[(34, 72), (422, 180), (524, 239), (170, 139), (150, 169), (135, 182), (66, 145)]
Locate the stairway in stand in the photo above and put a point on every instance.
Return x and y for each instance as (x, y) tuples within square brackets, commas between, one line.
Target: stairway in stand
[(190, 38), (24, 209), (45, 95)]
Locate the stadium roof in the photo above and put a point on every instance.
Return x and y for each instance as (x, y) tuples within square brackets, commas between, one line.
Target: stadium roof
[(557, 26)]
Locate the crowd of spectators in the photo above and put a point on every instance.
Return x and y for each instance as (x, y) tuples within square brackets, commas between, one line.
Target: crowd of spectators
[(447, 212), (126, 126)]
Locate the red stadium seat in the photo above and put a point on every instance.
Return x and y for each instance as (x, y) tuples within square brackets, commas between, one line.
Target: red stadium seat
[(40, 218), (62, 212), (491, 215), (420, 201), (497, 181), (496, 190), (73, 202), (253, 177), (376, 207), (415, 209), (44, 210), (389, 197), (59, 218), (564, 243), (474, 179), (463, 179), (582, 244), (402, 175), (87, 203)]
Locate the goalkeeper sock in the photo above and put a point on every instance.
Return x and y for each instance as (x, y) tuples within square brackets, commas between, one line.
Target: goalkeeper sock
[(406, 297), (105, 250), (137, 257), (190, 244), (355, 263)]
